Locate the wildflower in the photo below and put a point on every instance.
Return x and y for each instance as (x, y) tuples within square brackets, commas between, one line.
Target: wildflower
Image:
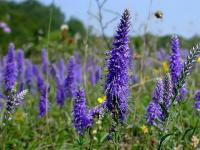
[(161, 55), (97, 111), (6, 30), (194, 141), (154, 114), (10, 72), (94, 132), (97, 74), (5, 27), (60, 95), (134, 79), (99, 122), (197, 101), (43, 106), (191, 59), (154, 110), (101, 99), (70, 83), (81, 119), (61, 68), (165, 67), (175, 60), (29, 75), (179, 147), (20, 66), (158, 92), (198, 60), (144, 129), (176, 65), (20, 62), (45, 62), (168, 92), (116, 87), (13, 100), (95, 138), (64, 27)]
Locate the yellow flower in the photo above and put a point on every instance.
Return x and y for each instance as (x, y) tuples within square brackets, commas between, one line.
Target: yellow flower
[(198, 60), (144, 129), (165, 67), (101, 99)]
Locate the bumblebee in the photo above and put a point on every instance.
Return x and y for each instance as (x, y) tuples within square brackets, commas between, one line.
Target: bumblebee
[(158, 14)]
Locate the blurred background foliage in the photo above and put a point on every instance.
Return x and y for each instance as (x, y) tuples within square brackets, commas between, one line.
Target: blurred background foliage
[(29, 22)]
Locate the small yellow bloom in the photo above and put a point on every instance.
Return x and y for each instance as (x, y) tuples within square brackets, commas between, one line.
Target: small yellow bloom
[(165, 67), (101, 99), (144, 129), (198, 60)]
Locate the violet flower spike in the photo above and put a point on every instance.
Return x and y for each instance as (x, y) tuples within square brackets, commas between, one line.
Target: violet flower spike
[(154, 114), (60, 95), (158, 92), (43, 100), (45, 62), (10, 72), (81, 119), (29, 75), (176, 65), (197, 101), (70, 83), (116, 86)]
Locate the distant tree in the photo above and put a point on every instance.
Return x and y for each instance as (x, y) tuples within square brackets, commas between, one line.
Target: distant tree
[(76, 26), (28, 20)]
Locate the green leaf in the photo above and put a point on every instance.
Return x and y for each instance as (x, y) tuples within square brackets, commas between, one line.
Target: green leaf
[(103, 137), (163, 139), (186, 132)]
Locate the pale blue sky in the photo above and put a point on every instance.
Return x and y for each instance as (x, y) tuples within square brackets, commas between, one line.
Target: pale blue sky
[(180, 16)]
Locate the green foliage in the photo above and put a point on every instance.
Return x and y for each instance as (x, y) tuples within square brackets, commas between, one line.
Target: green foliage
[(76, 26), (28, 21)]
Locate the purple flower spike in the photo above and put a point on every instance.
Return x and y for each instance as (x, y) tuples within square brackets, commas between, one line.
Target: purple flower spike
[(116, 86), (70, 83), (158, 92), (92, 77), (81, 119), (60, 95), (29, 75), (45, 62), (168, 91), (10, 72), (43, 100), (197, 101), (61, 68), (20, 62), (97, 74), (176, 66), (20, 66), (175, 60), (154, 114)]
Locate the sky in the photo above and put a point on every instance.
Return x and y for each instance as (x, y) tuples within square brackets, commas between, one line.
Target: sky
[(179, 16)]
